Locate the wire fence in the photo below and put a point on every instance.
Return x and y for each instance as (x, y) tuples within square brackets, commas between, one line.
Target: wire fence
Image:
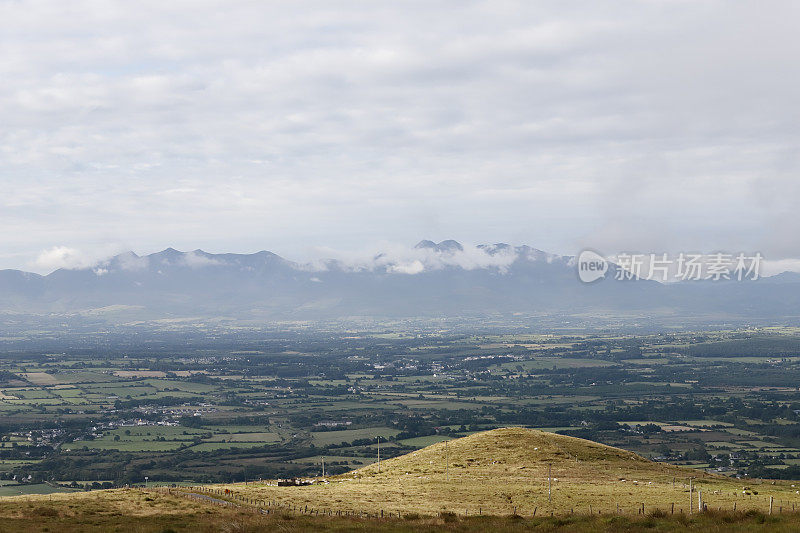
[(224, 497)]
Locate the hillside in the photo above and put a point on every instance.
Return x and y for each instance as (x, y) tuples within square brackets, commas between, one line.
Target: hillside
[(438, 488), (503, 470)]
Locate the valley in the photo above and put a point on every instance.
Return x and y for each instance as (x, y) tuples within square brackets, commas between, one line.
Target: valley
[(258, 404)]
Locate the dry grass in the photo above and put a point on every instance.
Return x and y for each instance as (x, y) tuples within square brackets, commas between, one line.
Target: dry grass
[(498, 471), (107, 510), (493, 473), (129, 502), (152, 512), (40, 378)]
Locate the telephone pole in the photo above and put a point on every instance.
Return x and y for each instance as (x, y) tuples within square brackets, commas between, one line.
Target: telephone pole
[(446, 462), (323, 466)]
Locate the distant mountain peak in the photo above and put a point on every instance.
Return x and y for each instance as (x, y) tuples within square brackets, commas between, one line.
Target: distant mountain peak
[(441, 279), (448, 245), (492, 249), (168, 252)]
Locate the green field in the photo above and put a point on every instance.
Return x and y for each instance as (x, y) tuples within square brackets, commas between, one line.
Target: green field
[(421, 442), (22, 490), (251, 406), (322, 438)]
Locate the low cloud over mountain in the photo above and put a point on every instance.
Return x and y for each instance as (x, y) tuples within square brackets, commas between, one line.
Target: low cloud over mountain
[(445, 279)]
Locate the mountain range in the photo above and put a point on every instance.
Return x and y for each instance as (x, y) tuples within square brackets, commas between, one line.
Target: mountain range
[(444, 279)]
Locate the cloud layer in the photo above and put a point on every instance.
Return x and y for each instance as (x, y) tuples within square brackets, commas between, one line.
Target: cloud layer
[(238, 125), (62, 257), (400, 259), (396, 259)]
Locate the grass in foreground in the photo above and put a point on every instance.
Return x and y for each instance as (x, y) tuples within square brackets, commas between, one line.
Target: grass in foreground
[(496, 480), (153, 512)]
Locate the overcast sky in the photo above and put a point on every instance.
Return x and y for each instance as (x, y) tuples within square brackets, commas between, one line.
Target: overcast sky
[(291, 126)]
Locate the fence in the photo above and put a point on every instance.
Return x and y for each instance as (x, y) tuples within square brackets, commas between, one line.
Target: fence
[(229, 498)]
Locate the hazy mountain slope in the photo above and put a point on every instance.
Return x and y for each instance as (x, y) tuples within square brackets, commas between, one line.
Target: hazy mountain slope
[(444, 279)]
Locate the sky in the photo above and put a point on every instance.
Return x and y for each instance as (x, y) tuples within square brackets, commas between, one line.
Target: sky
[(304, 127)]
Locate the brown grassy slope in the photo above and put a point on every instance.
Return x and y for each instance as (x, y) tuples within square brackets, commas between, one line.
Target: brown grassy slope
[(496, 471), (493, 472), (107, 510), (154, 512)]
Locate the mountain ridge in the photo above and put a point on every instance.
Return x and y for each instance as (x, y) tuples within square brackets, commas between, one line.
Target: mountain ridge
[(445, 279)]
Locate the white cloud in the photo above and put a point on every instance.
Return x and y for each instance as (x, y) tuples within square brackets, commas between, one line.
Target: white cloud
[(196, 260), (414, 267), (132, 262), (62, 257), (401, 259), (242, 126), (96, 258), (771, 268)]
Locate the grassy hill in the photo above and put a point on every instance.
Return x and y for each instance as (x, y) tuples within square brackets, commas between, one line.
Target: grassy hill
[(473, 483), (503, 470)]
